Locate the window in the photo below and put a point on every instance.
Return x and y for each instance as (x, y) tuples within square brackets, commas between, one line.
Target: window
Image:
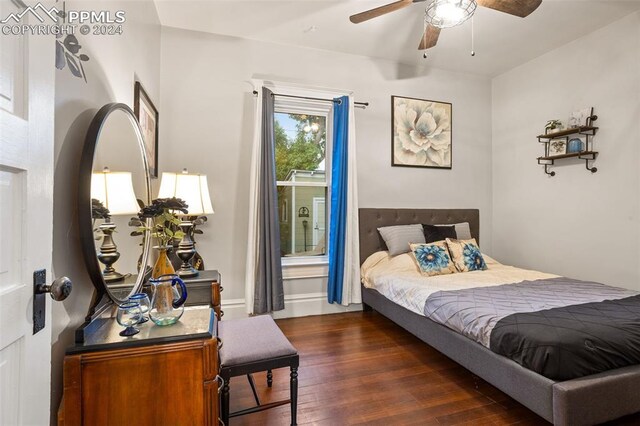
[(301, 165)]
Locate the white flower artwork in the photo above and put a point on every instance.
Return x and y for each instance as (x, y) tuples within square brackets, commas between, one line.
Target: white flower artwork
[(421, 133)]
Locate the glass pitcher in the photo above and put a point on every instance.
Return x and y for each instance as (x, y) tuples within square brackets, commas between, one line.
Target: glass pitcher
[(167, 304)]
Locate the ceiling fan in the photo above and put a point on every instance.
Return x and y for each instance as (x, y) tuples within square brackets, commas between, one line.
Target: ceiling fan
[(442, 14)]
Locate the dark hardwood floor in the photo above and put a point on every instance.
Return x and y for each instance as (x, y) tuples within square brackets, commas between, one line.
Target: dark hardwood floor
[(361, 368)]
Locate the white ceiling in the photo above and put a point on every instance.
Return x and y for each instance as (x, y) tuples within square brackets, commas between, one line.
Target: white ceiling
[(501, 41)]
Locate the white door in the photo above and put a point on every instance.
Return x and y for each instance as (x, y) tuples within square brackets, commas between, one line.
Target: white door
[(318, 218), (27, 77)]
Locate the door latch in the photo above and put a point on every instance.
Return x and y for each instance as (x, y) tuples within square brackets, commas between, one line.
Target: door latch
[(58, 290), (39, 301)]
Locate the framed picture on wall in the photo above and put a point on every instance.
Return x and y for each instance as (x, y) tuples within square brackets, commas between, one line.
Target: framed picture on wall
[(581, 117), (421, 133), (557, 147), (147, 115)]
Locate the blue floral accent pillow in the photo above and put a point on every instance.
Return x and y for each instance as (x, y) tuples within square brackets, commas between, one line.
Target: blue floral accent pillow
[(433, 259), (466, 255)]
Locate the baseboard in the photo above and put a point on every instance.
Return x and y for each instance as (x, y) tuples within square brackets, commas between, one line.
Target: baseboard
[(295, 305), (233, 308)]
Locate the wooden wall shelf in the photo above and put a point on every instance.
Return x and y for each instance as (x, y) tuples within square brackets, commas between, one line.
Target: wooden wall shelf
[(587, 155), (584, 130), (593, 154)]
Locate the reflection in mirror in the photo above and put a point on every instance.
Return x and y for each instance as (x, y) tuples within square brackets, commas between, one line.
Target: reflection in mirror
[(119, 185), (111, 195)]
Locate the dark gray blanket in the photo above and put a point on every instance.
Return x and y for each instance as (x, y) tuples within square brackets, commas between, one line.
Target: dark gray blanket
[(574, 341), (476, 312)]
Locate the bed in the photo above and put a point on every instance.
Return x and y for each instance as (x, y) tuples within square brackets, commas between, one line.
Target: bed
[(586, 400)]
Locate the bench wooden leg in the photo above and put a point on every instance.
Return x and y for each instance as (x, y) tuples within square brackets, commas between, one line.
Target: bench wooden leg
[(294, 395), (252, 383), (269, 378), (225, 402)]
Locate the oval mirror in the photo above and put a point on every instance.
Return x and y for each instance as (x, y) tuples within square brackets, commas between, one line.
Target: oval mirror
[(114, 183)]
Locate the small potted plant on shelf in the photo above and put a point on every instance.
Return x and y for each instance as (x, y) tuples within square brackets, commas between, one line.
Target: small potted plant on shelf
[(553, 126)]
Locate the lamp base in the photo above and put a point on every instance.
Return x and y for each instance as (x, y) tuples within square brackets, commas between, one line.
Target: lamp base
[(112, 277), (185, 251), (109, 253), (188, 272)]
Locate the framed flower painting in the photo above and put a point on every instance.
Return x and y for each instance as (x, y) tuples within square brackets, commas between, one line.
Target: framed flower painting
[(420, 133)]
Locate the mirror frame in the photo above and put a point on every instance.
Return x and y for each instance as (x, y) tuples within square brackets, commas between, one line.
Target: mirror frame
[(87, 239)]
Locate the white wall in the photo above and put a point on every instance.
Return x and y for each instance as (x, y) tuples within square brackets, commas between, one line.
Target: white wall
[(115, 63), (575, 224), (207, 106), (563, 224)]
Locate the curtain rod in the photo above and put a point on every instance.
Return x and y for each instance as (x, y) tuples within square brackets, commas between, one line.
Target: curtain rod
[(338, 101)]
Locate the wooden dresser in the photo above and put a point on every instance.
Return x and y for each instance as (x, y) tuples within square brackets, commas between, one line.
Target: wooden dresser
[(161, 376), (204, 288)]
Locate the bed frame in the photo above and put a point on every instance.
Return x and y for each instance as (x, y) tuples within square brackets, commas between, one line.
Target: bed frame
[(584, 401)]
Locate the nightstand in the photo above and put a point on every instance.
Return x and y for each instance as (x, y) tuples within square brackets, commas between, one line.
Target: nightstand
[(200, 290), (161, 376)]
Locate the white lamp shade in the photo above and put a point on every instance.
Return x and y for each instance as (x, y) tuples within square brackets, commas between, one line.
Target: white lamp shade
[(191, 188), (115, 192)]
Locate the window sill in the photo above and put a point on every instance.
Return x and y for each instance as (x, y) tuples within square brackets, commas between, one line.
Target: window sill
[(304, 261), (304, 267)]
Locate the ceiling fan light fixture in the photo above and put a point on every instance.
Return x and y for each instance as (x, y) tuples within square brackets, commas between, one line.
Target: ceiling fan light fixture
[(449, 13)]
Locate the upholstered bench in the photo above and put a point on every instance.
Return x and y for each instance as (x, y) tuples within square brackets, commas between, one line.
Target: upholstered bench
[(251, 345)]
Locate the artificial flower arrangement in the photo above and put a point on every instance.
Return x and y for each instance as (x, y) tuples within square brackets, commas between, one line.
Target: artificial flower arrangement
[(98, 212), (164, 219)]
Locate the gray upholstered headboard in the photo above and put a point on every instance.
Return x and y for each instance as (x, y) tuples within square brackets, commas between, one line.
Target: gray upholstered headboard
[(372, 219)]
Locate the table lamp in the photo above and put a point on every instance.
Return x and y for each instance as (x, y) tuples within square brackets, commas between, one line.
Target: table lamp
[(194, 190), (115, 191)]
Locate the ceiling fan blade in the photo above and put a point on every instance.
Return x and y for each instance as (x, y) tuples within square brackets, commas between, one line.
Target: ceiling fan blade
[(379, 11), (521, 8), (429, 38)]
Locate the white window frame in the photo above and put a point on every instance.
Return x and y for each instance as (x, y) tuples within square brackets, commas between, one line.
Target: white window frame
[(315, 108), (294, 268)]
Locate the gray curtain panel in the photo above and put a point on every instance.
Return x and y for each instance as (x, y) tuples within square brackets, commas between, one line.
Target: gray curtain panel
[(269, 292)]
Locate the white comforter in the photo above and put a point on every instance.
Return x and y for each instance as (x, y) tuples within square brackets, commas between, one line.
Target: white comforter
[(399, 280)]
